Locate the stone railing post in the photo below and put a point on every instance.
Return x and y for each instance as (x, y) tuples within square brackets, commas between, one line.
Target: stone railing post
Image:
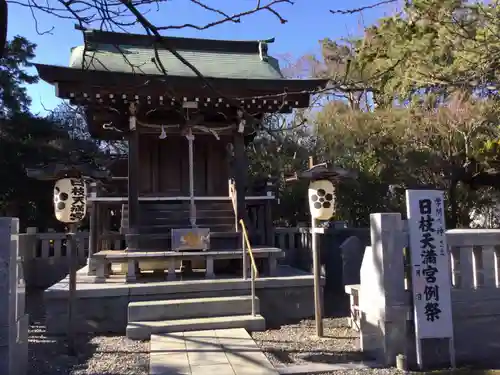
[(382, 301), (13, 320), (28, 243)]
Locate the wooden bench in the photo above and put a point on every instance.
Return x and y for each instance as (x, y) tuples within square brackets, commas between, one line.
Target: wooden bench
[(105, 258), (355, 315)]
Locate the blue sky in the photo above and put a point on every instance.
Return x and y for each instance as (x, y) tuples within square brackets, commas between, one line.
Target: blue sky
[(308, 22)]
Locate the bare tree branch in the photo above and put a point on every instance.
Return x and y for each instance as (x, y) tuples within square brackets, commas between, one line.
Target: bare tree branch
[(361, 9)]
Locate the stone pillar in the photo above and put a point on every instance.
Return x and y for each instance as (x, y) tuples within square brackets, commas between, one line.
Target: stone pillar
[(27, 251), (382, 298), (13, 320)]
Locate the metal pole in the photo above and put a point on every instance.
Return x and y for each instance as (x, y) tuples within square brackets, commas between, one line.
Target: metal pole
[(453, 356), (245, 259), (192, 208), (316, 273), (252, 286), (72, 257)]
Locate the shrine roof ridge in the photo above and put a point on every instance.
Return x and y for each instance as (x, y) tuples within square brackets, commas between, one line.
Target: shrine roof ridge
[(181, 43)]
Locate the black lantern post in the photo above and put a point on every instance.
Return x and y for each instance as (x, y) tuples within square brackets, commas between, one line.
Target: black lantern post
[(70, 207)]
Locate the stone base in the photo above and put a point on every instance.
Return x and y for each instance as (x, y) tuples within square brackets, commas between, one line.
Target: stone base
[(14, 352), (102, 308)]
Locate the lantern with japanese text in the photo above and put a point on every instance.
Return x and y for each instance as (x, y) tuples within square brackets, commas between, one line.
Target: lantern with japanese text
[(70, 200), (321, 199)]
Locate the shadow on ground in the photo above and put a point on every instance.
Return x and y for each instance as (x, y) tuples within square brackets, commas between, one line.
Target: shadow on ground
[(461, 371), (49, 355), (334, 357), (329, 357)]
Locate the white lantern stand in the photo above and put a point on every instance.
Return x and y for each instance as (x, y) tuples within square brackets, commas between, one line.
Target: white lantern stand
[(321, 195), (70, 207)]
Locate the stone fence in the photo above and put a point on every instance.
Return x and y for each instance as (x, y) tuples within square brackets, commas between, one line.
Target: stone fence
[(14, 321), (45, 254), (385, 297)]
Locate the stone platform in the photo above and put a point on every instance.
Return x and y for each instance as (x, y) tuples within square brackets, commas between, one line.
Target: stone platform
[(210, 352), (102, 307)]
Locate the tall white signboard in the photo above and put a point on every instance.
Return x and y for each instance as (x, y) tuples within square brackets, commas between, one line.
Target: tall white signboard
[(431, 274)]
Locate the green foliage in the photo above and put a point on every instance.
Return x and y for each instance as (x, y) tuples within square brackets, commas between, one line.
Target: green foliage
[(28, 141), (279, 154), (13, 97), (431, 72), (432, 47)]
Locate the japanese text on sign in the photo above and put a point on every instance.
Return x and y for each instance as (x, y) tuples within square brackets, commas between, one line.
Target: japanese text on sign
[(430, 263)]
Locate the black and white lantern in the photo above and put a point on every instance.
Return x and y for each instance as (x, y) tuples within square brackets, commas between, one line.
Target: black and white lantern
[(70, 200), (321, 199)]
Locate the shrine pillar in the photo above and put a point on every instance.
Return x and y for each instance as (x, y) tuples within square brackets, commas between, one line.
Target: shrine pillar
[(240, 170), (133, 182)]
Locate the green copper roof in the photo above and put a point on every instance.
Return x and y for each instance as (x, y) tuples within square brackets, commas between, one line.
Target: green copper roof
[(138, 59)]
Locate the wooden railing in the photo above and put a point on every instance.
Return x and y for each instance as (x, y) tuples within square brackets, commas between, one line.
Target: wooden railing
[(233, 197), (48, 245)]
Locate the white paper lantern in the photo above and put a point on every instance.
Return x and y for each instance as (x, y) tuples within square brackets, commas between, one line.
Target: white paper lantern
[(70, 200), (321, 199)]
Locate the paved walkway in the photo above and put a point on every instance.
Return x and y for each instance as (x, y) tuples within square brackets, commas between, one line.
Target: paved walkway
[(211, 352)]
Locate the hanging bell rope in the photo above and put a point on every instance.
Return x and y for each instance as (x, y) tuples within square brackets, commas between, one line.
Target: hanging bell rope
[(163, 134)]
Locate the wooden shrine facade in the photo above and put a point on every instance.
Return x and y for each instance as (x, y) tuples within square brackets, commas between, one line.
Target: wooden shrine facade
[(186, 128)]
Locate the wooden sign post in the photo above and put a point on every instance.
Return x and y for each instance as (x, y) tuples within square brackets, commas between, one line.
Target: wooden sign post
[(70, 207), (431, 279), (318, 316)]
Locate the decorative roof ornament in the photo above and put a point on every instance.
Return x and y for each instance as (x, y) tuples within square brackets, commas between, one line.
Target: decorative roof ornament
[(132, 118), (263, 49), (323, 171), (242, 123)]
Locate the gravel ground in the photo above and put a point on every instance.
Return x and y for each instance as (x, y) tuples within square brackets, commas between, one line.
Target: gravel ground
[(98, 355), (297, 344), (293, 344)]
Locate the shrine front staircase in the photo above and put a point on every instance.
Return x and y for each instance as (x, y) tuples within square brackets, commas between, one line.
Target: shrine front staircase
[(157, 219), (192, 314)]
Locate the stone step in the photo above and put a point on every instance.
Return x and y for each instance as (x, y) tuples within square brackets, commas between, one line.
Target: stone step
[(142, 330), (191, 308)]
